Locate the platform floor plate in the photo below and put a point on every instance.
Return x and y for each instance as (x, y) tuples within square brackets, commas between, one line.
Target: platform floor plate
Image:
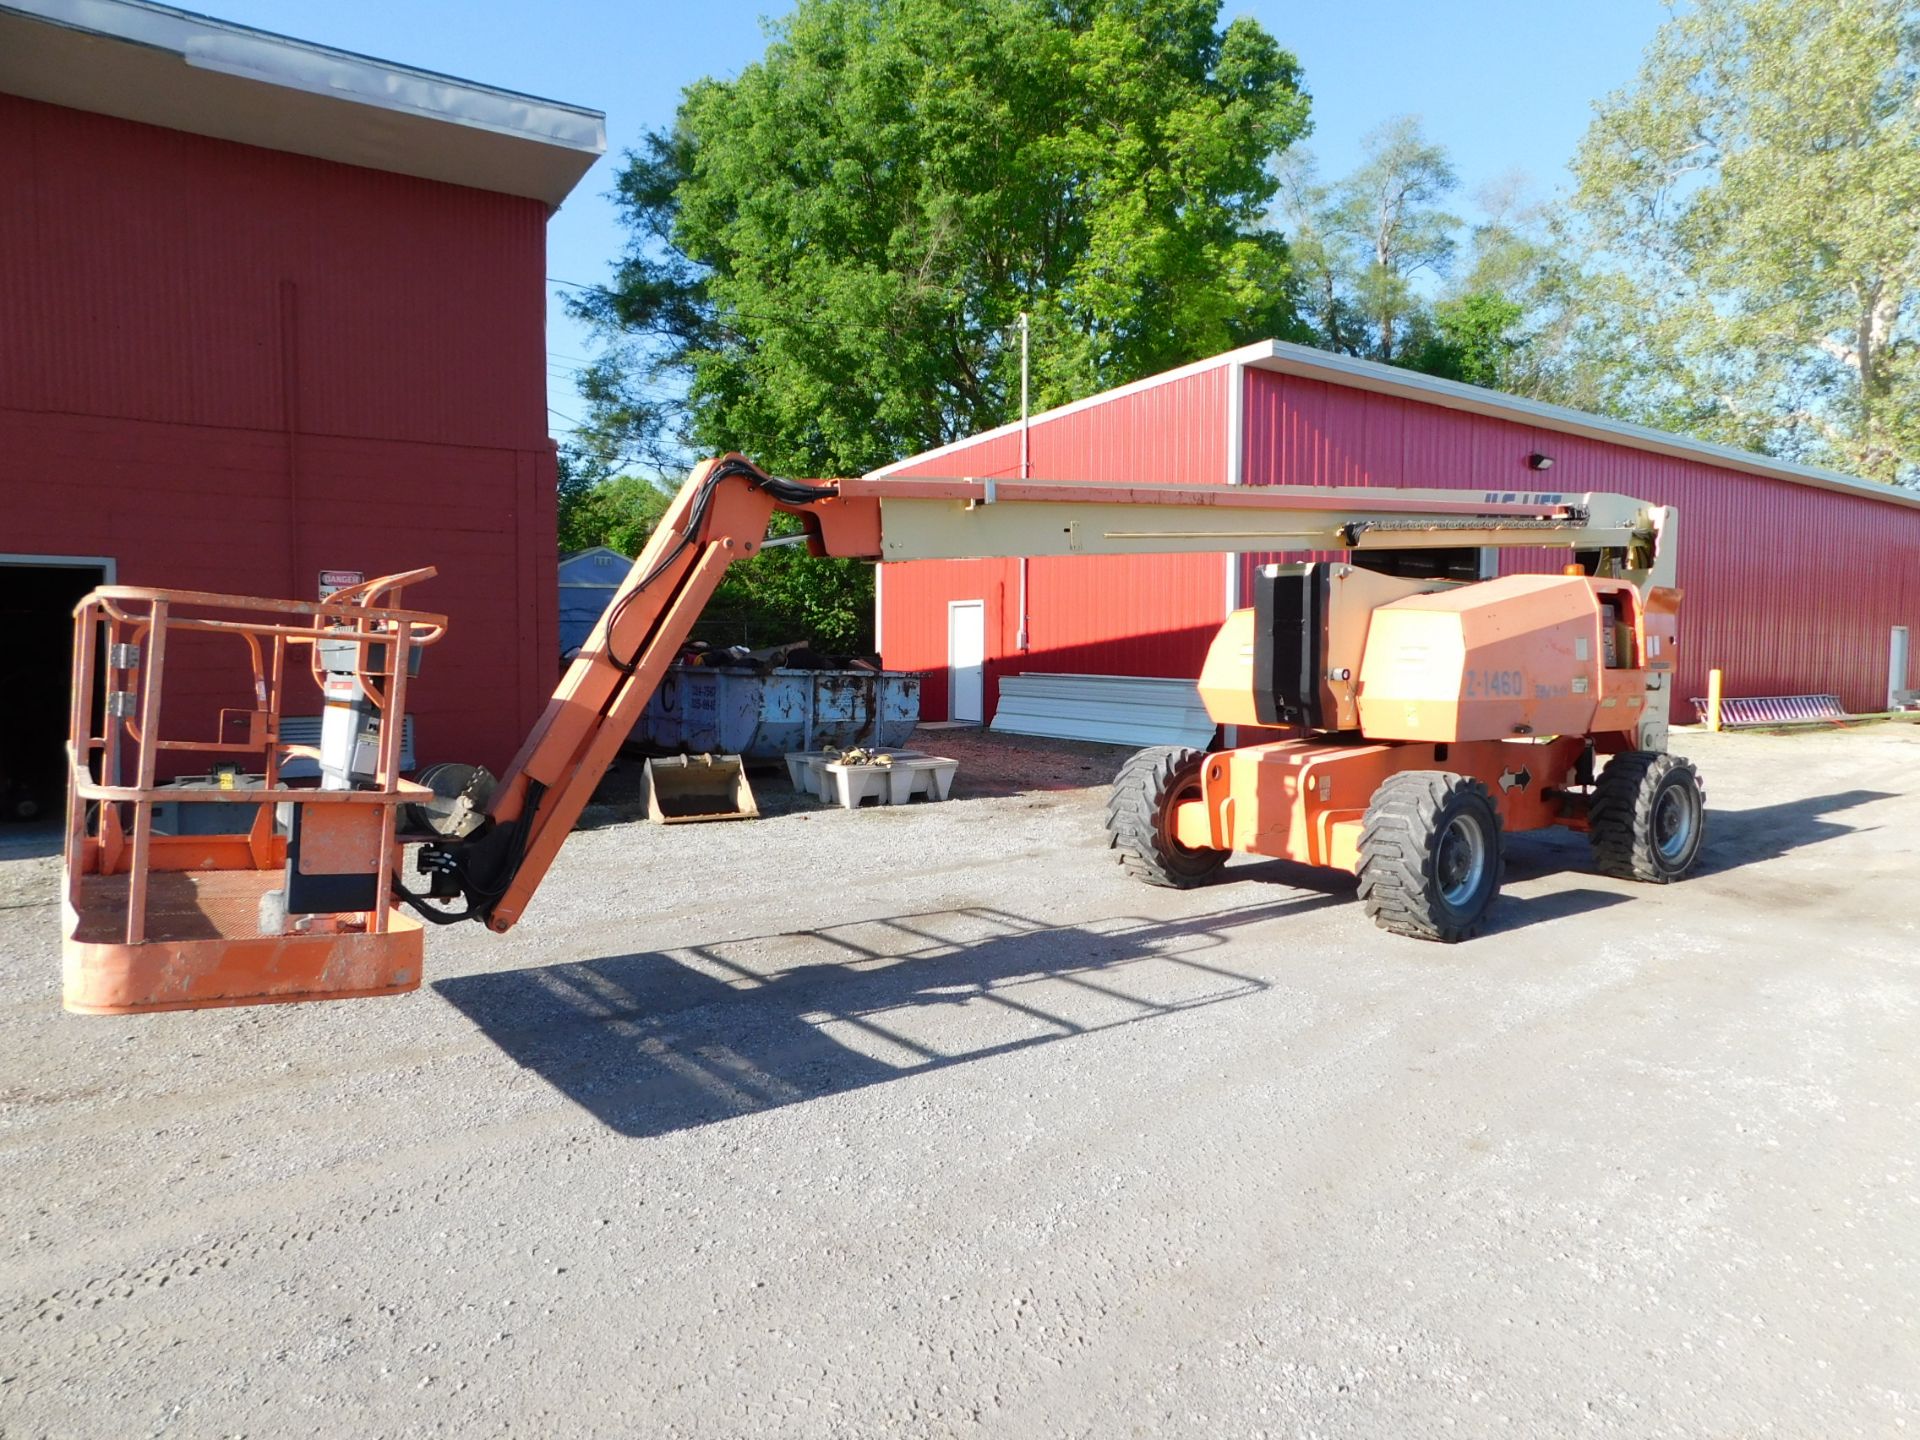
[(181, 905), (204, 948)]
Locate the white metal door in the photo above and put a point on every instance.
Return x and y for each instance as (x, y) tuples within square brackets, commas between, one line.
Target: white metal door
[(1897, 667), (966, 660)]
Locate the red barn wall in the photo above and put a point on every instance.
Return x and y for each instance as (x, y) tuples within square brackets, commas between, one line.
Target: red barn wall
[(1106, 615), (228, 368), (1790, 589)]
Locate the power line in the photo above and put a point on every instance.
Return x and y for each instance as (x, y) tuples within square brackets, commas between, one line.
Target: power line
[(651, 389), (728, 310), (619, 459)]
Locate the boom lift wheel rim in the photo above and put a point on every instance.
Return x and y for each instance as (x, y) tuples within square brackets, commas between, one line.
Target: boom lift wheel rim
[(1170, 809), (1462, 861), (1141, 811), (1422, 874), (1674, 818)]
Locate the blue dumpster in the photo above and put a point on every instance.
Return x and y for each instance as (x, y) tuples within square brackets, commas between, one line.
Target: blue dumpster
[(764, 714)]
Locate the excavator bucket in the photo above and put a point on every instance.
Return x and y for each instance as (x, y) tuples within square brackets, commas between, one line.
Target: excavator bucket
[(683, 788)]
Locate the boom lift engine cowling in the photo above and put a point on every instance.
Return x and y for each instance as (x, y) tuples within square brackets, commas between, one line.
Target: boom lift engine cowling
[(1418, 718)]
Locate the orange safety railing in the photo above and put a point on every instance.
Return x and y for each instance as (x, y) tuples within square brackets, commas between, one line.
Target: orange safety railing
[(120, 656)]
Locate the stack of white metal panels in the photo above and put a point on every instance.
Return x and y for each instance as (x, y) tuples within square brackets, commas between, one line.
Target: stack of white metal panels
[(1116, 709)]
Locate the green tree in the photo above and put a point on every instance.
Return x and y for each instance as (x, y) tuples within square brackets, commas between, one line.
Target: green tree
[(1473, 337), (1754, 202), (784, 593), (1363, 243), (1506, 318), (597, 508), (1324, 266), (830, 251)]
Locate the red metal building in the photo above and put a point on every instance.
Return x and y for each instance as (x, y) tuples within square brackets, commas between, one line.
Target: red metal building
[(267, 309), (1797, 580)]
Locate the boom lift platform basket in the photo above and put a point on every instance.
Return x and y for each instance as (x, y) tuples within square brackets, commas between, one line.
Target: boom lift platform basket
[(300, 906)]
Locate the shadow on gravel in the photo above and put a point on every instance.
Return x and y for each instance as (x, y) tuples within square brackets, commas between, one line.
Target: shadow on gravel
[(1511, 912), (1766, 832), (654, 1043), (1734, 838), (658, 1042)]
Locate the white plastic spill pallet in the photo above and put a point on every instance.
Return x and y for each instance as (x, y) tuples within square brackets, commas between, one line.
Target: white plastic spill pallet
[(895, 784), (807, 769), (908, 774)]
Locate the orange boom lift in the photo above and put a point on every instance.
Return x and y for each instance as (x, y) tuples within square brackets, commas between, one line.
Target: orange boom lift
[(1420, 714)]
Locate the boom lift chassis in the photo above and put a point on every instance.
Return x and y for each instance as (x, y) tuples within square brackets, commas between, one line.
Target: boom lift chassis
[(1410, 788)]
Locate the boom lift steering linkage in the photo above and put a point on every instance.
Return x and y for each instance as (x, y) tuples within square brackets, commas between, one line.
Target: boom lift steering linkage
[(1411, 717)]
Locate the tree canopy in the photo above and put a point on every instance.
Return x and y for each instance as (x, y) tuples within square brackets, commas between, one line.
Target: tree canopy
[(828, 254), (1377, 257), (831, 250), (1739, 259), (1388, 212), (1753, 204)]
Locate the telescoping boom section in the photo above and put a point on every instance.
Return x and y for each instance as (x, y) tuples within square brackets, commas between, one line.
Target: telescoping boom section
[(314, 901)]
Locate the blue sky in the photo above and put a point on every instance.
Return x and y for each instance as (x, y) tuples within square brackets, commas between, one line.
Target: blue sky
[(1504, 84)]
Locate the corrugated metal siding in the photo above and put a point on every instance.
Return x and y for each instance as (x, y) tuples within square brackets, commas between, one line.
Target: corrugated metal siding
[(142, 274), (1095, 614), (206, 509), (229, 367), (1788, 588), (1113, 709)]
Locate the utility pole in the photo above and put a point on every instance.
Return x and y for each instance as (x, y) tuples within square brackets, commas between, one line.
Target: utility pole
[(1026, 473), (1026, 467)]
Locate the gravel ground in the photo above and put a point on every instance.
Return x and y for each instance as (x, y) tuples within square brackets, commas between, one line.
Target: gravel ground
[(927, 1122)]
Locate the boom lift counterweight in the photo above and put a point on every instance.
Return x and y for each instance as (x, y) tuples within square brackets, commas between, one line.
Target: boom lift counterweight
[(1420, 717)]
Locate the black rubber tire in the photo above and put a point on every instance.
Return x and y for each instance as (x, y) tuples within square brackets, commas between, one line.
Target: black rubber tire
[(1633, 810), (1410, 836), (1140, 818)]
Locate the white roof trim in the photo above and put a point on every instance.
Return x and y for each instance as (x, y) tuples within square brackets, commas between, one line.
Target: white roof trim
[(1166, 377), (126, 58), (1309, 364), (1412, 385)]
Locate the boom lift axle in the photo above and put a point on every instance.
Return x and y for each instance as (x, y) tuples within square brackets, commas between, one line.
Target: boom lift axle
[(1417, 717)]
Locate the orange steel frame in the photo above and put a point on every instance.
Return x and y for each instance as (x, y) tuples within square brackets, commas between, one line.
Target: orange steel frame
[(123, 952), (199, 945), (1305, 800), (596, 704)]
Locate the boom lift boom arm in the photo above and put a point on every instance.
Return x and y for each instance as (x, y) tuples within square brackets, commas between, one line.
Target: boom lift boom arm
[(721, 515)]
